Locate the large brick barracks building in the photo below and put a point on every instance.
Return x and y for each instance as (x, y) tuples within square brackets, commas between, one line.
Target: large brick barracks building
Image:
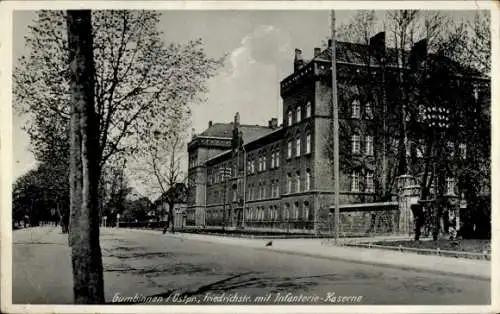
[(280, 176)]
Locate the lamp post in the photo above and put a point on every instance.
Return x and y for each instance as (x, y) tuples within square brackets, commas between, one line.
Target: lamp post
[(437, 120)]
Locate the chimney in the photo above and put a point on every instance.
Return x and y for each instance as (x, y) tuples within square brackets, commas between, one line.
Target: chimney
[(273, 123), (377, 46), (299, 60), (317, 51), (209, 123)]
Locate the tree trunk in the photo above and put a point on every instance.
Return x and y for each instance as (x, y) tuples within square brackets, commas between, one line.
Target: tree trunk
[(171, 216), (84, 171)]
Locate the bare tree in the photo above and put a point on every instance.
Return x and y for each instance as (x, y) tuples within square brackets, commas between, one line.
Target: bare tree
[(88, 285), (138, 77), (161, 157)]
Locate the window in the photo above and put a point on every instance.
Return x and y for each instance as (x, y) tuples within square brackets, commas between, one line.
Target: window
[(272, 188), (355, 109), (355, 144), (421, 113), (450, 186), (286, 212), (370, 188), (252, 166), (369, 145), (306, 211), (368, 111), (289, 183), (308, 109), (277, 163), (299, 114), (354, 181), (451, 148), (290, 117), (308, 180), (308, 143), (264, 162), (272, 160), (296, 211), (289, 153), (297, 147), (297, 182), (277, 188), (463, 150)]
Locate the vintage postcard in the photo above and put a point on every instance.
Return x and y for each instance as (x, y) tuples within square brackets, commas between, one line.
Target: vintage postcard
[(248, 156)]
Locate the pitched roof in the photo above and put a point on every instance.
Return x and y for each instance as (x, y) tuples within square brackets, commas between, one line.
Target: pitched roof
[(354, 53), (250, 132), (357, 54)]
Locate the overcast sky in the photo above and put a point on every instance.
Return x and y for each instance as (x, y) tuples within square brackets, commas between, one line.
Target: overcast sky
[(260, 47)]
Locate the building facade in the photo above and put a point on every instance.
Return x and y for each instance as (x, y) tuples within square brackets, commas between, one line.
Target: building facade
[(281, 176)]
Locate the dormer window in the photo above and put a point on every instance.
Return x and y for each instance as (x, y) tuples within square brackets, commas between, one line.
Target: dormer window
[(355, 109)]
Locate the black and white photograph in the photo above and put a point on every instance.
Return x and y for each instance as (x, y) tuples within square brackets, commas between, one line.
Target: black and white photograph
[(260, 157)]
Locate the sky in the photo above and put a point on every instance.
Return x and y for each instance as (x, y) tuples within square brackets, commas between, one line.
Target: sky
[(260, 49)]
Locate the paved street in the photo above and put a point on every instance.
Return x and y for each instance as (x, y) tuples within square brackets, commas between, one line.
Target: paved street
[(149, 263)]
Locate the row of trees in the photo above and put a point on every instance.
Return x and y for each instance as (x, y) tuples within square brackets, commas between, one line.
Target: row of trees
[(439, 50), (42, 194)]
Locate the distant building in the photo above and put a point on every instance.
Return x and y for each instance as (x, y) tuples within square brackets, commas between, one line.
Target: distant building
[(280, 176), (179, 193)]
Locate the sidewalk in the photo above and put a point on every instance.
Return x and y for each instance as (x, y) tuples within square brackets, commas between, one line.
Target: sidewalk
[(479, 269)]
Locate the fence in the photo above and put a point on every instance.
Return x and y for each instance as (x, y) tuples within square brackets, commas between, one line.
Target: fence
[(472, 255)]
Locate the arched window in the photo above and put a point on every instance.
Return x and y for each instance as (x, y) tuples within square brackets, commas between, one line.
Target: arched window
[(296, 210), (299, 113), (286, 212), (297, 146), (308, 180), (308, 109), (308, 143), (289, 183), (306, 211), (297, 182), (289, 115)]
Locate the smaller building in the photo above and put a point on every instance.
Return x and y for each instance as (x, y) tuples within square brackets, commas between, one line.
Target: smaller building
[(177, 196)]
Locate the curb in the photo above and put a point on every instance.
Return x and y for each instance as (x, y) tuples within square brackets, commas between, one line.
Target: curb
[(381, 264), (428, 269)]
